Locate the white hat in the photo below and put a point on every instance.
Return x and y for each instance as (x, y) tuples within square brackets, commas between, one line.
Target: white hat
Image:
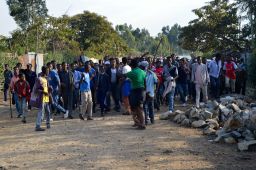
[(107, 62)]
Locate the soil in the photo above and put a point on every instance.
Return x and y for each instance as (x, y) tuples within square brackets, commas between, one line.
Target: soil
[(112, 143)]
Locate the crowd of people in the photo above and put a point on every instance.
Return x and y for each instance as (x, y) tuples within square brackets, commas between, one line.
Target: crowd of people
[(141, 85)]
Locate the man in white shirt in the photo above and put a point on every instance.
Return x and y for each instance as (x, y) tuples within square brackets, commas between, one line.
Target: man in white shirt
[(201, 79)]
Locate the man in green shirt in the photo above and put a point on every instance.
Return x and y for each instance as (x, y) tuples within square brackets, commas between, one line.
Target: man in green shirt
[(137, 77)]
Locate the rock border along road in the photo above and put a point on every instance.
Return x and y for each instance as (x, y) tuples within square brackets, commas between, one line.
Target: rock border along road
[(111, 143)]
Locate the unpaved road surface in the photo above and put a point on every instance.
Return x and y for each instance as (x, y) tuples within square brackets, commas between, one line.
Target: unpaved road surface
[(111, 143)]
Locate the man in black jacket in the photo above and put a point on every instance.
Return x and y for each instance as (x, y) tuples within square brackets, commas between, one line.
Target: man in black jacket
[(114, 77)]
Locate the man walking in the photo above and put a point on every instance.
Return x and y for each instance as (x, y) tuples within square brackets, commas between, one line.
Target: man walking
[(137, 77), (86, 95), (43, 91), (7, 80), (67, 88), (30, 78), (170, 74), (201, 79), (54, 83)]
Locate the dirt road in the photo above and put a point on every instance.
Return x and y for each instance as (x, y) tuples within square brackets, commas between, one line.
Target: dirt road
[(111, 143)]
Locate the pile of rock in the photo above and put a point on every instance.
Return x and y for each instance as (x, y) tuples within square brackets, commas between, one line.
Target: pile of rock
[(231, 120)]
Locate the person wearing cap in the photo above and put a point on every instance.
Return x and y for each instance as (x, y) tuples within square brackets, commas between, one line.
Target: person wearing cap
[(151, 81), (22, 90), (30, 78), (136, 99)]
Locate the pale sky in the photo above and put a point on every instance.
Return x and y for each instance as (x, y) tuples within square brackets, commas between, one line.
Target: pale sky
[(149, 14)]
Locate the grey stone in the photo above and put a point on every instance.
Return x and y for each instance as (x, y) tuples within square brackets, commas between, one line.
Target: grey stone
[(176, 118), (193, 112), (230, 140), (245, 114), (213, 123), (215, 104), (240, 103), (186, 123), (209, 131), (221, 136), (248, 135), (227, 99), (182, 117), (233, 123), (198, 124), (253, 105), (236, 134), (187, 112), (164, 116), (236, 108), (179, 112), (216, 113), (224, 110), (207, 114), (245, 145)]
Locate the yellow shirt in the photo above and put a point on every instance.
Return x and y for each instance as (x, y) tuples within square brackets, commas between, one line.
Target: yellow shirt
[(45, 87)]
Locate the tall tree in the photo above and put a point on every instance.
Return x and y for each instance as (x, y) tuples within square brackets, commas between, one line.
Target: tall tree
[(95, 34), (216, 28), (26, 12)]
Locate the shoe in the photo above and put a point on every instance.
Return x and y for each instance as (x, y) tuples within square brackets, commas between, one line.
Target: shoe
[(51, 119), (126, 113), (24, 120), (38, 129), (117, 110), (141, 128), (89, 118), (70, 117), (66, 114), (184, 105), (102, 114), (152, 121), (19, 116), (135, 125), (48, 126), (81, 117), (108, 110), (170, 112)]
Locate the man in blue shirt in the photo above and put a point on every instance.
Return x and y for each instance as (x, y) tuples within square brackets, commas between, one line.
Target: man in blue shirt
[(214, 73), (86, 95), (77, 78), (151, 81), (54, 83)]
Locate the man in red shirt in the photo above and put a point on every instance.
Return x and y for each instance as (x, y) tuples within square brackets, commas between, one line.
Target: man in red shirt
[(22, 90), (230, 74), (160, 88)]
